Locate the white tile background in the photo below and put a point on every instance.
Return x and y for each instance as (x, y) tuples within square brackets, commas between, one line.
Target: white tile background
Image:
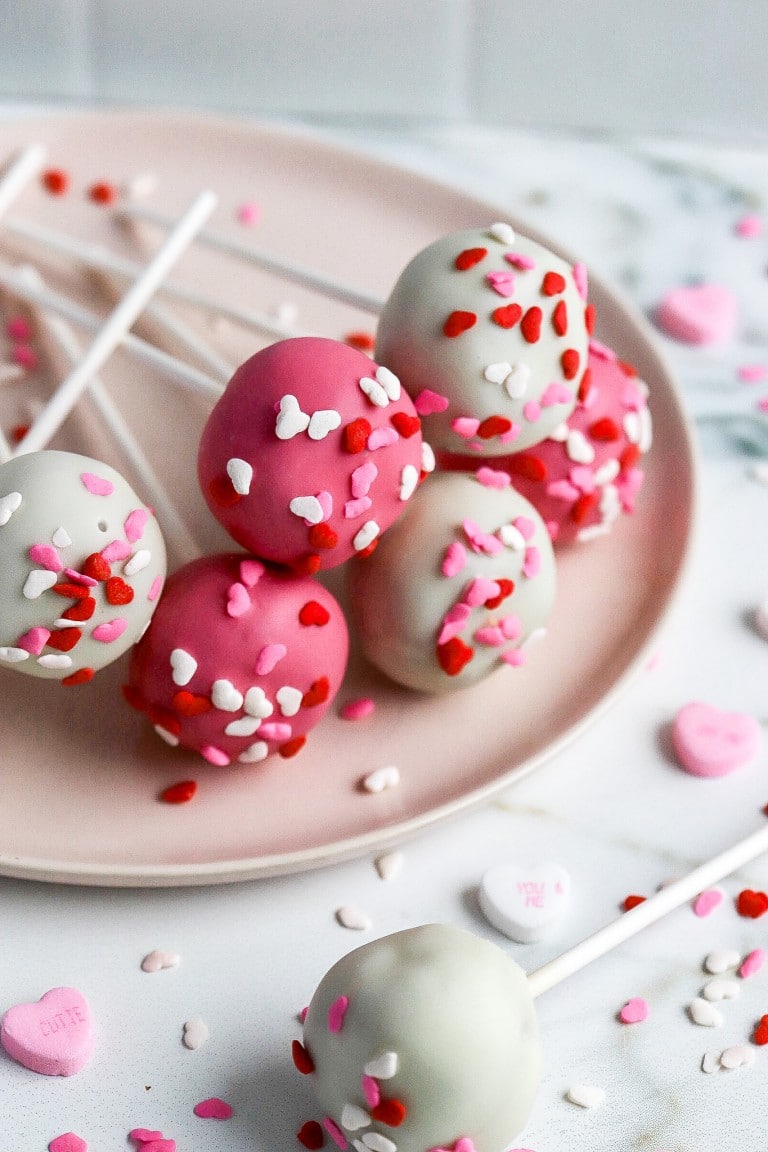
[(646, 65)]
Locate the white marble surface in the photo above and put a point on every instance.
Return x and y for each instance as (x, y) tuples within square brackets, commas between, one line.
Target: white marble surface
[(612, 808)]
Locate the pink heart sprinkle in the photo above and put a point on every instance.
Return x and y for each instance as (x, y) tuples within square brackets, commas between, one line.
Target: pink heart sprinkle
[(110, 630), (752, 963), (159, 1146), (371, 1091), (268, 658), (601, 351), (492, 636), (510, 435), (155, 588), (481, 590), (562, 490), (465, 426), (493, 478), (749, 226), (556, 393), (275, 730), (532, 562), (144, 1135), (517, 260), (238, 600), (706, 902), (532, 411), (215, 756), (582, 478), (525, 526), (135, 523), (581, 280), (46, 557), (511, 626), (454, 560), (355, 508), (80, 578), (335, 1132), (249, 213), (503, 283), (97, 485), (336, 1013), (325, 500), (515, 657), (428, 402), (34, 640), (382, 438), (362, 478), (68, 1142), (753, 373), (251, 572), (357, 709), (709, 742), (634, 1011), (213, 1109), (116, 550), (703, 314), (453, 622)]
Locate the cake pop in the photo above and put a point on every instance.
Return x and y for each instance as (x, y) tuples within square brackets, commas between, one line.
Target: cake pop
[(457, 586), (241, 659), (310, 454), (82, 562), (488, 332)]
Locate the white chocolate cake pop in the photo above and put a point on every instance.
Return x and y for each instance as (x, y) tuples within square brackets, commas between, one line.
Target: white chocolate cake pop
[(425, 1039), (82, 563), (487, 331), (457, 586)]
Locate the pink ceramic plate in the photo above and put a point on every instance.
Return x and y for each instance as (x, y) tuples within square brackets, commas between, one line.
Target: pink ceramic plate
[(81, 772)]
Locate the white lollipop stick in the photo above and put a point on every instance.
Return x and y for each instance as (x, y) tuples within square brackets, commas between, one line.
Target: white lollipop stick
[(96, 257), (648, 912), (117, 324), (65, 343), (181, 373), (16, 177), (293, 272)]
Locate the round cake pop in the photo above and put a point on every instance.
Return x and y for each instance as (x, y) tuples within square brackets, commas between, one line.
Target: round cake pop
[(586, 474), (425, 1039), (457, 586), (488, 332), (241, 660), (82, 563), (310, 454)]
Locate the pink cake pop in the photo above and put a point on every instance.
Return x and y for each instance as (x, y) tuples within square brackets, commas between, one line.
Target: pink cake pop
[(241, 660), (311, 453)]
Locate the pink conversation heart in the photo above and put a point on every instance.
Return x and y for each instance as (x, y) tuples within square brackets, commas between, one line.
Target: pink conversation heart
[(708, 742), (634, 1011), (53, 1036), (68, 1142), (238, 600), (702, 314), (213, 1109)]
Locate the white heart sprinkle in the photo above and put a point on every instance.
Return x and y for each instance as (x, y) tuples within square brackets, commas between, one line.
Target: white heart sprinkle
[(593, 532), (353, 1117), (381, 779), (504, 233), (155, 961), (512, 537), (721, 960), (322, 422), (382, 1067), (705, 1014), (409, 478), (375, 391), (578, 448), (254, 752), (256, 703), (195, 1033), (164, 734), (184, 666), (137, 562), (359, 1146), (61, 538), (632, 428), (14, 655), (646, 430), (560, 434), (38, 581), (240, 473), (607, 472), (290, 419), (389, 382), (710, 1062), (289, 699), (55, 661), (720, 989), (350, 917), (497, 373), (428, 460), (307, 508), (389, 865), (244, 726), (365, 536), (738, 1056), (586, 1095), (225, 696), (8, 505), (516, 384), (378, 1143)]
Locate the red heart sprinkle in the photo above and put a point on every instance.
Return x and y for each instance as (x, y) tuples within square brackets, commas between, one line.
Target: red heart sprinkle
[(553, 284), (629, 457), (64, 639), (117, 591), (506, 588), (222, 493), (589, 318), (406, 425), (311, 1135), (164, 718), (103, 192), (751, 904), (18, 432), (389, 1112), (82, 676), (469, 257), (585, 385), (301, 1058), (83, 610), (190, 705), (507, 316), (291, 747), (560, 318), (355, 435), (761, 1032), (453, 655), (55, 181), (627, 369), (97, 567), (133, 697), (459, 322), (604, 429), (370, 549), (317, 693), (313, 613), (71, 591), (527, 466), (363, 341), (308, 565), (323, 536), (585, 504), (493, 426), (631, 902), (530, 325), (569, 362), (179, 793)]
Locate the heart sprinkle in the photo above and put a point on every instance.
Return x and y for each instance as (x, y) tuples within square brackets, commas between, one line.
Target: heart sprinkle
[(706, 902), (336, 1014), (752, 904), (213, 1109), (156, 961), (381, 779), (635, 1011), (586, 1095), (704, 1014), (752, 963), (195, 1033), (68, 1142), (708, 742), (352, 918), (721, 961)]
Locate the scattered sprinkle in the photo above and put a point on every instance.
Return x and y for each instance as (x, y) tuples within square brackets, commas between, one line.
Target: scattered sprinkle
[(753, 373), (710, 1062), (586, 1095), (102, 192), (751, 904), (381, 779), (68, 1142), (389, 865), (214, 1108), (760, 1036), (631, 902), (738, 1056), (749, 226), (357, 709), (249, 213), (351, 917), (721, 960), (195, 1033), (706, 902), (635, 1011), (311, 1135), (705, 1014), (180, 793), (156, 961), (56, 181), (752, 963), (720, 989)]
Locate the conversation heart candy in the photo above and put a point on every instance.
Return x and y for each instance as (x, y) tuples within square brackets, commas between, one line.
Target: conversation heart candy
[(53, 1036), (709, 742), (699, 314), (524, 903)]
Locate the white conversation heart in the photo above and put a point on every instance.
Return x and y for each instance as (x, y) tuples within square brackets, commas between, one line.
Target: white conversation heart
[(525, 904)]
